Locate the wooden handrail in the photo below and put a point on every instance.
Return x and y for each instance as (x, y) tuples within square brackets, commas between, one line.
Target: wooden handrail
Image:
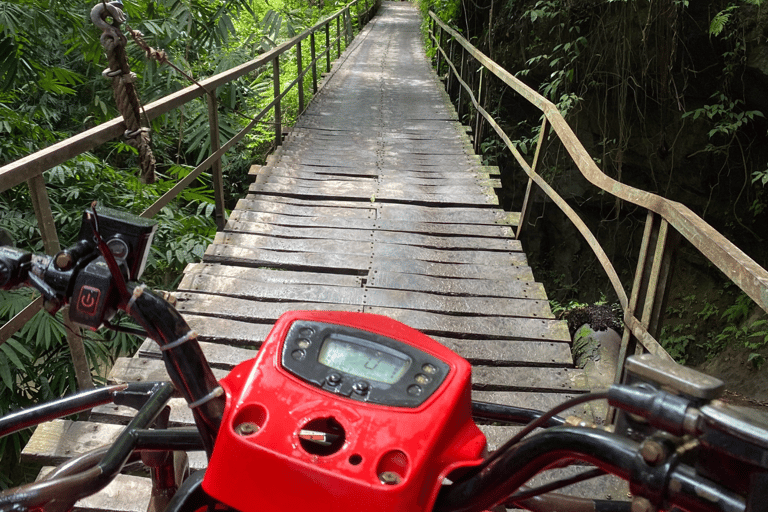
[(658, 240), (29, 169)]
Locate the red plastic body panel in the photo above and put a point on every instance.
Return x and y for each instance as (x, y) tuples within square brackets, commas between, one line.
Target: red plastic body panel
[(270, 470)]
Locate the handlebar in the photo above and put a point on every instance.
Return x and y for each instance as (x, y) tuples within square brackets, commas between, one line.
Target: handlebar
[(94, 276), (674, 443)]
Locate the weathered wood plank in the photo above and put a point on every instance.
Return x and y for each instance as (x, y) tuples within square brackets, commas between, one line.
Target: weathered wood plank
[(523, 378), (431, 323), (365, 176), (254, 243), (482, 352), (501, 287), (56, 441), (274, 276), (229, 287), (368, 235), (329, 188), (478, 327), (380, 211), (468, 230), (472, 287), (126, 493), (248, 310)]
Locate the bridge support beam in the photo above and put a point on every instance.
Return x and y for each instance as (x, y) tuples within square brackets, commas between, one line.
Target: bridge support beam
[(650, 290)]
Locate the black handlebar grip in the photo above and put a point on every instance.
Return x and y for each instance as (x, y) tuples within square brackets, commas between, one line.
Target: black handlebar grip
[(12, 261)]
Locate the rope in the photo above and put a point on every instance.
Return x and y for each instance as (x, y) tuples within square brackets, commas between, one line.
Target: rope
[(114, 42)]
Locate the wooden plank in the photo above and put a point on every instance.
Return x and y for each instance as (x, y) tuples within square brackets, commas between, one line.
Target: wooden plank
[(306, 261), (525, 378), (229, 287), (57, 441), (431, 268), (513, 328), (126, 493), (250, 243), (468, 230), (470, 287), (382, 211), (135, 369), (421, 213), (231, 332), (352, 209), (380, 278), (479, 352), (435, 324), (248, 310), (368, 235), (594, 412), (225, 336), (331, 188), (512, 352), (181, 414), (249, 274), (304, 174)]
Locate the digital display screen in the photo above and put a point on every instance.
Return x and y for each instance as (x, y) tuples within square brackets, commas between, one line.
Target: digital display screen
[(344, 354)]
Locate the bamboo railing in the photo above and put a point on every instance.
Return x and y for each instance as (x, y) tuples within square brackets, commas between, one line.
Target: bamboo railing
[(666, 221), (30, 169)]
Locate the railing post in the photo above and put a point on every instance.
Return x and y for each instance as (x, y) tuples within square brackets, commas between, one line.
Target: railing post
[(347, 24), (47, 227), (328, 47), (460, 107), (438, 47), (650, 289), (278, 110), (216, 171), (42, 206), (449, 81), (313, 56), (338, 35), (359, 18), (537, 158), (478, 115), (300, 84)]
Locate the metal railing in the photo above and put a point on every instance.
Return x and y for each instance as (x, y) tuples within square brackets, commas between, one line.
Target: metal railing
[(666, 221), (30, 169)]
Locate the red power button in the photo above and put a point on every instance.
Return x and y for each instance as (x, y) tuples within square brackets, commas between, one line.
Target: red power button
[(88, 300)]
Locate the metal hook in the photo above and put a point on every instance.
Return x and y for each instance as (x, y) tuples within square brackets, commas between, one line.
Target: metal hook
[(112, 33)]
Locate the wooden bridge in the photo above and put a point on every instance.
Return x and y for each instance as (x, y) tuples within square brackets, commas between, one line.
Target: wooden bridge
[(377, 202)]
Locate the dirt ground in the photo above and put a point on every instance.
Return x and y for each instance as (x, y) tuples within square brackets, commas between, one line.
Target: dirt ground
[(745, 384)]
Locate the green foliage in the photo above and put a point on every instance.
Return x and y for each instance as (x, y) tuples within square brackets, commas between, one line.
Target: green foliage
[(727, 115), (677, 340)]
